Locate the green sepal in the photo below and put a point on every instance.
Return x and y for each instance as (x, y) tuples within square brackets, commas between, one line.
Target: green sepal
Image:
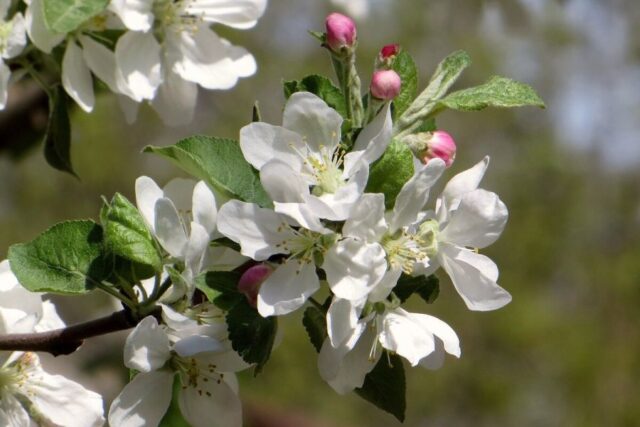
[(385, 386), (68, 258), (321, 87), (220, 163), (126, 233), (389, 173)]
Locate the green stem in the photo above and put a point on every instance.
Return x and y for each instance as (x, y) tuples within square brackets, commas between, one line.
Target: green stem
[(113, 292), (36, 76)]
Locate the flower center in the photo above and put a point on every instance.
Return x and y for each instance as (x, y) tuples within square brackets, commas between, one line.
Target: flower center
[(324, 168), (196, 375), (5, 33), (404, 249), (170, 14), (305, 245)]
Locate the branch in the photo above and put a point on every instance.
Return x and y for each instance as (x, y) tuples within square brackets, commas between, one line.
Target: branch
[(67, 340)]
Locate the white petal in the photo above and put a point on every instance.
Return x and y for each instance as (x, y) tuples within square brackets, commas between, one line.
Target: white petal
[(224, 361), (180, 191), (76, 77), (62, 401), (16, 40), (195, 344), (147, 347), (262, 142), (305, 214), (376, 136), (128, 106), (287, 288), (474, 277), (170, 229), (354, 267), (137, 15), (12, 414), (144, 401), (210, 404), (50, 319), (414, 194), (282, 183), (223, 259), (311, 117), (20, 309), (462, 183), (346, 370), (147, 194), (5, 74), (40, 35), (201, 57), (204, 209), (176, 320), (256, 229), (240, 14), (478, 221), (440, 330), (175, 100), (244, 62), (195, 249), (342, 321), (100, 60), (384, 287), (406, 337), (342, 202), (138, 62), (367, 221)]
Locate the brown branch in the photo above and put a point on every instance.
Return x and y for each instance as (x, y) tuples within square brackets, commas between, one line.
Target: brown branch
[(67, 340)]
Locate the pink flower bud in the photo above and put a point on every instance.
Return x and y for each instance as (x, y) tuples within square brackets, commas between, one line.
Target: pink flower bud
[(440, 145), (385, 84), (389, 51), (341, 31), (250, 281)]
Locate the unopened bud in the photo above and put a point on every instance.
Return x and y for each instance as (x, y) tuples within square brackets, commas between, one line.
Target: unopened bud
[(341, 32), (389, 51), (251, 280), (385, 84), (431, 145)]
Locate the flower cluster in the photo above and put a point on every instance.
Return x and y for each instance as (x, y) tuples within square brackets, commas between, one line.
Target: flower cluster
[(164, 50)]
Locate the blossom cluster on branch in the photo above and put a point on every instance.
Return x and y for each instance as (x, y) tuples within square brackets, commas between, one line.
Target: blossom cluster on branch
[(330, 212)]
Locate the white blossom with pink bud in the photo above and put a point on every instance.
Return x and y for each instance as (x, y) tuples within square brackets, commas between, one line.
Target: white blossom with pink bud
[(385, 84), (250, 281)]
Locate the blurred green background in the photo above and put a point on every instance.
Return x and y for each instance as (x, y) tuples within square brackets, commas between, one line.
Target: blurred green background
[(566, 351)]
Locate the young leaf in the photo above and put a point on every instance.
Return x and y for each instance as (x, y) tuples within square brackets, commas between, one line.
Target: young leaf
[(320, 86), (251, 335), (385, 386), (428, 287), (220, 288), (68, 258), (315, 324), (445, 75), (220, 163), (389, 173), (126, 234), (57, 139), (497, 92), (408, 72), (64, 16)]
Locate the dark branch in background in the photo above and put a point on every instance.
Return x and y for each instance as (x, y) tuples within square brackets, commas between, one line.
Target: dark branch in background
[(24, 119), (67, 340)]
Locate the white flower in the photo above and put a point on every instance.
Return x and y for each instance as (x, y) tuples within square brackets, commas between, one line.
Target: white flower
[(357, 264), (351, 350), (13, 39), (262, 233), (83, 55), (50, 399), (203, 363), (187, 52), (305, 151), (468, 217)]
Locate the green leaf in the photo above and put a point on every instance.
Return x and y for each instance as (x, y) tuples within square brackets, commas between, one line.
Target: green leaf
[(220, 163), (251, 335), (315, 324), (64, 16), (497, 92), (129, 271), (126, 233), (220, 288), (173, 417), (408, 72), (320, 86), (428, 287), (68, 258), (57, 139), (389, 173), (445, 75), (385, 386)]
